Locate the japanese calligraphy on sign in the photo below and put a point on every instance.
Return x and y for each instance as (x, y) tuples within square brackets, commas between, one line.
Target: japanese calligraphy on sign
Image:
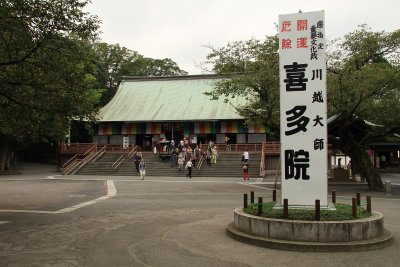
[(303, 108)]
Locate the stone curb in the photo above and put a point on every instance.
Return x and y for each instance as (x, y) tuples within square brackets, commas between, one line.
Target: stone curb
[(383, 241)]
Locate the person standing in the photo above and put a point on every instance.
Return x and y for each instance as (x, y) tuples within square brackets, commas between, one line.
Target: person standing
[(189, 167), (180, 164), (142, 168), (138, 157)]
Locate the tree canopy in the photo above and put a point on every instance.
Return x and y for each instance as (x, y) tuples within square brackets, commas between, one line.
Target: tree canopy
[(251, 69), (115, 61), (45, 75), (53, 69), (363, 85)]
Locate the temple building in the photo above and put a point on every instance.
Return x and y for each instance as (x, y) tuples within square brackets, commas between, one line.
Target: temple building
[(147, 110)]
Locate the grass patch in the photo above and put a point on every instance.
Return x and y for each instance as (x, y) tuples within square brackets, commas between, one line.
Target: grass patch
[(343, 212)]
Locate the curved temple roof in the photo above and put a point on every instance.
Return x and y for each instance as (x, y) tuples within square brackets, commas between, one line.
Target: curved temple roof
[(168, 99)]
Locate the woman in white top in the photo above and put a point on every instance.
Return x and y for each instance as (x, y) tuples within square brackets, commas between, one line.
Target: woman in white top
[(246, 155), (189, 166)]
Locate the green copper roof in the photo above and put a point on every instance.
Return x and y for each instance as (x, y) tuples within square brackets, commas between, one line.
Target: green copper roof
[(168, 99)]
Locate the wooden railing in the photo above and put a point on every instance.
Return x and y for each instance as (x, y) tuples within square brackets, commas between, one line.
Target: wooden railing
[(93, 149), (81, 148), (77, 161), (132, 152), (124, 157), (69, 162), (75, 148), (200, 163), (237, 147), (99, 153), (67, 169), (272, 148), (118, 162), (88, 158)]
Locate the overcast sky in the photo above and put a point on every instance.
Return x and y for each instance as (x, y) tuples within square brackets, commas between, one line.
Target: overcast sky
[(179, 29)]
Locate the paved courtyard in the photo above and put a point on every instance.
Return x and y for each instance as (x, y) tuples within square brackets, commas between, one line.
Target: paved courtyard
[(52, 220)]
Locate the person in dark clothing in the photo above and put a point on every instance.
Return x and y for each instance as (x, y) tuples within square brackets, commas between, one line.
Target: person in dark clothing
[(138, 157), (245, 168)]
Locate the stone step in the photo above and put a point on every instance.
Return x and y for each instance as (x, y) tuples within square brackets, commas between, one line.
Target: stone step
[(228, 165)]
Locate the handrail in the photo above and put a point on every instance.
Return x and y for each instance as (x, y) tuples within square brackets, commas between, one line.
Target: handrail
[(76, 148), (100, 152), (118, 162), (132, 152), (201, 160), (122, 158), (68, 161), (76, 164), (94, 147), (252, 147), (262, 161), (83, 161), (68, 169)]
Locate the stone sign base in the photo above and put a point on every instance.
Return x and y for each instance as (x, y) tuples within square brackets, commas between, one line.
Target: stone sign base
[(352, 235)]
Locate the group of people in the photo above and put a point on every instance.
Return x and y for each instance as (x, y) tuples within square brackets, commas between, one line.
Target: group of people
[(140, 165), (186, 158)]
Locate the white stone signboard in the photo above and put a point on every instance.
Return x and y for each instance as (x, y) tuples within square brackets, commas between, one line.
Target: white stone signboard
[(125, 142), (303, 107)]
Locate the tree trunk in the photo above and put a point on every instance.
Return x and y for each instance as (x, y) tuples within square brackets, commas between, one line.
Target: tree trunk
[(349, 135), (3, 156), (362, 164)]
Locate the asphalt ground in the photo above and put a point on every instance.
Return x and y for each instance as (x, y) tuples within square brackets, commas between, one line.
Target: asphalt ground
[(47, 219)]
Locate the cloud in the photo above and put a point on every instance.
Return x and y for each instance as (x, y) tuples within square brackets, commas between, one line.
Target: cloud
[(177, 29)]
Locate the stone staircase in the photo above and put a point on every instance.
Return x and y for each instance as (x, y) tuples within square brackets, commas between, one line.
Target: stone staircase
[(228, 165)]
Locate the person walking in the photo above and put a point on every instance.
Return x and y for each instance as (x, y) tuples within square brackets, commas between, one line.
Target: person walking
[(214, 154), (228, 143), (137, 159), (208, 157), (245, 168), (173, 157), (197, 155), (189, 167), (180, 164), (210, 145), (142, 168)]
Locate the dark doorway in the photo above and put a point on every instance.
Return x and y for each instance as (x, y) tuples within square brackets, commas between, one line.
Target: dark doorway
[(147, 142)]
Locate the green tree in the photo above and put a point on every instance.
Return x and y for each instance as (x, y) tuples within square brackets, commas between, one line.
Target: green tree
[(115, 61), (46, 77), (363, 85), (251, 69)]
